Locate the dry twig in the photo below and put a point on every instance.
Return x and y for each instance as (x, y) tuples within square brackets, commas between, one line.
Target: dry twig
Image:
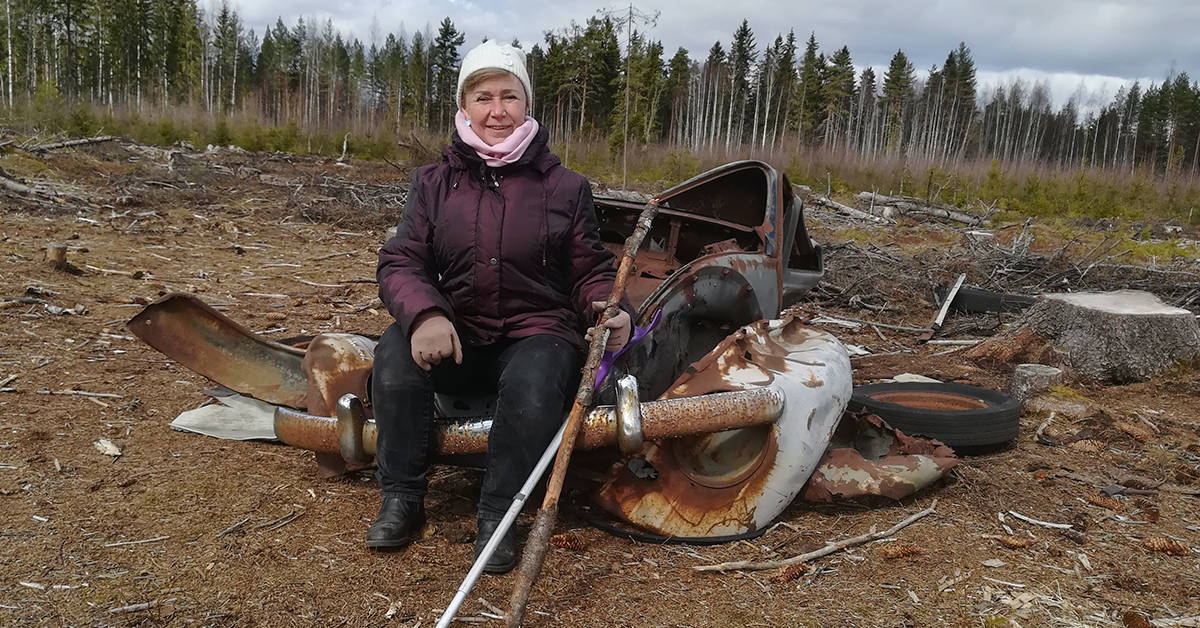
[(824, 551)]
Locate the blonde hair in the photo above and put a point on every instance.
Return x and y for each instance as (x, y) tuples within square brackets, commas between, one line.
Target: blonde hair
[(481, 75)]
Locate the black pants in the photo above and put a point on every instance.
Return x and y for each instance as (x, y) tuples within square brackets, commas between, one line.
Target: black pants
[(534, 378)]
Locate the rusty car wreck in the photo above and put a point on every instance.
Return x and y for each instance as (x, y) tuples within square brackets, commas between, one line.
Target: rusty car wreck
[(731, 406)]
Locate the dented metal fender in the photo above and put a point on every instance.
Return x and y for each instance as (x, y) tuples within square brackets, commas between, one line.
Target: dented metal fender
[(738, 481)]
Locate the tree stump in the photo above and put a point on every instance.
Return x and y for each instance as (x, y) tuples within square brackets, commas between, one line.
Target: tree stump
[(1119, 337), (56, 254), (1028, 380)]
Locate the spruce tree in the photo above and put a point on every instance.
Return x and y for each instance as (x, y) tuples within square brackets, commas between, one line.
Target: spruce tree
[(898, 91), (444, 61)]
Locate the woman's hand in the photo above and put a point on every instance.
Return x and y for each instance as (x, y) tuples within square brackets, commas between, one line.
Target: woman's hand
[(434, 338), (619, 327)]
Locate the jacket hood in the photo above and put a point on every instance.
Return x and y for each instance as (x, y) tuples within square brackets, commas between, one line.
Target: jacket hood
[(460, 156)]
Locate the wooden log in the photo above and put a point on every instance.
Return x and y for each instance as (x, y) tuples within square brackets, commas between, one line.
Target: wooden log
[(42, 148), (906, 204), (1119, 337), (825, 201), (15, 186)]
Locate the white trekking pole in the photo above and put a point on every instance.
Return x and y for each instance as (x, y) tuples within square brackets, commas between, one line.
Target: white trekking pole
[(505, 523)]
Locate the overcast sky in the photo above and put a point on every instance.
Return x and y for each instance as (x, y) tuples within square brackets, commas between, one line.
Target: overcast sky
[(1068, 43)]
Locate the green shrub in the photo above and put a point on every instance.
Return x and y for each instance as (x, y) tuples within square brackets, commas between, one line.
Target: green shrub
[(221, 135), (81, 122), (252, 137), (285, 139), (48, 106)]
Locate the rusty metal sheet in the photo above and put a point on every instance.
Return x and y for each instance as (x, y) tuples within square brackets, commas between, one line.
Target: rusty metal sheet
[(869, 457), (739, 480), (187, 330), (744, 207), (334, 365)]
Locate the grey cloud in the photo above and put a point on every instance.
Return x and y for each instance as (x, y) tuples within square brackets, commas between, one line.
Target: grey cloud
[(1117, 38)]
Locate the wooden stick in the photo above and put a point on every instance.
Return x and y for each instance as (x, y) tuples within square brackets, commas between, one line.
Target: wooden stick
[(539, 536), (80, 393), (883, 325), (319, 285), (1037, 522), (824, 551), (330, 255), (134, 608), (233, 527), (122, 543)]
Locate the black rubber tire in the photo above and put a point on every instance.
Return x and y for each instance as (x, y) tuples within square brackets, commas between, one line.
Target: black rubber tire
[(983, 417), (976, 300)]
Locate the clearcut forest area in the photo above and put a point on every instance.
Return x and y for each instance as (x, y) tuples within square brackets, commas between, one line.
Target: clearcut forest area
[(184, 529)]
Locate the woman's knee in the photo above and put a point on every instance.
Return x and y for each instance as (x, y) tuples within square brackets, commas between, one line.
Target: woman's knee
[(393, 364), (539, 375)]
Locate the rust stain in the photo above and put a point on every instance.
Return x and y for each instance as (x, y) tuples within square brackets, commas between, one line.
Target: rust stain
[(930, 400), (680, 503), (909, 464), (681, 506)]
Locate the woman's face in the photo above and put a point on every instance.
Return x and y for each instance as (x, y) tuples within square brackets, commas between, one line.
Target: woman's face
[(495, 107)]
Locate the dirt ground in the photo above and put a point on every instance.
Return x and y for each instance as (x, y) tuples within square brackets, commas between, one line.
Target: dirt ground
[(279, 243)]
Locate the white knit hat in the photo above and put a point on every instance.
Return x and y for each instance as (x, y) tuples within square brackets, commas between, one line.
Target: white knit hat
[(490, 54)]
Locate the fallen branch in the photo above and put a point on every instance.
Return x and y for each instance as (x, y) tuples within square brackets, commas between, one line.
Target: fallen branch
[(824, 551)]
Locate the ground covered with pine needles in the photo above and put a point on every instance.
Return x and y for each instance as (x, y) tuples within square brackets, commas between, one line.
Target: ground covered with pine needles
[(185, 529)]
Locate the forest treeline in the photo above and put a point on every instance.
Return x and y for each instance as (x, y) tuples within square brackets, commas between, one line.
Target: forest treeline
[(600, 79)]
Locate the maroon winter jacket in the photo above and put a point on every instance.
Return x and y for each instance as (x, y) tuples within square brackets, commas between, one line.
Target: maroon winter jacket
[(503, 252)]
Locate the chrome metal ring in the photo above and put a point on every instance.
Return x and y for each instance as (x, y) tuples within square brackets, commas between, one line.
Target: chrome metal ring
[(630, 437)]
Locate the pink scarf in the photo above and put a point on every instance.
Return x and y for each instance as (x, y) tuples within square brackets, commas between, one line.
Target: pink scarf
[(507, 151)]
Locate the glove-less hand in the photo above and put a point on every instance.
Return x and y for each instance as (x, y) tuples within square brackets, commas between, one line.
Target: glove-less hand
[(433, 338), (619, 328)]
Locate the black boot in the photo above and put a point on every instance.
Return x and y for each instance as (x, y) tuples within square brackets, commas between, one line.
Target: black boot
[(505, 556), (399, 520)]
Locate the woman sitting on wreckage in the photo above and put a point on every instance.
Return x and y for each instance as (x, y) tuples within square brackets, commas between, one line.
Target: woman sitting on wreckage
[(494, 273)]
